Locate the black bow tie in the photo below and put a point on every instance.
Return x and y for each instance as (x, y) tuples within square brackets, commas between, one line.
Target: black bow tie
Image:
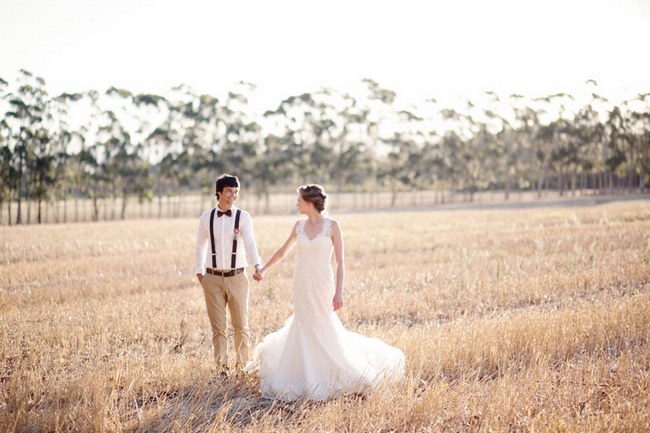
[(228, 213)]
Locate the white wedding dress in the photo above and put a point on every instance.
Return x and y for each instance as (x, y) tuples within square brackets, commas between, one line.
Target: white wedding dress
[(313, 356)]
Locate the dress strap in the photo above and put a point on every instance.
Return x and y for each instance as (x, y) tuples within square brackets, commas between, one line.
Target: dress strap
[(300, 227), (327, 227)]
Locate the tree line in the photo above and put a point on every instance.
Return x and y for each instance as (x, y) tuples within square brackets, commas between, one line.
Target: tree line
[(123, 145)]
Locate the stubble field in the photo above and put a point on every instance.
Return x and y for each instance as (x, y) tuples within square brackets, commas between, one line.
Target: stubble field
[(512, 320)]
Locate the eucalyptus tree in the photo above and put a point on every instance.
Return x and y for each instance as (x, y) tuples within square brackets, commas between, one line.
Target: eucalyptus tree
[(352, 157), (240, 134), (381, 121), (492, 153), (503, 163), (200, 143), (90, 180), (29, 137), (557, 152), (618, 136), (180, 142), (587, 132), (400, 168), (127, 171), (544, 141), (640, 124), (466, 142), (152, 137), (527, 129), (325, 128), (7, 170), (433, 164), (63, 134), (274, 166), (294, 129), (327, 134), (628, 143)]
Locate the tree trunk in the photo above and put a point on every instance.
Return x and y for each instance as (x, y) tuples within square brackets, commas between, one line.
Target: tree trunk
[(95, 206), (610, 182), (113, 206), (9, 221), (123, 210), (540, 181), (599, 182), (573, 184), (19, 211), (28, 203), (630, 182)]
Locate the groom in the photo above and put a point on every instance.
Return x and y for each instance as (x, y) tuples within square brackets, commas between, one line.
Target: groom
[(226, 235)]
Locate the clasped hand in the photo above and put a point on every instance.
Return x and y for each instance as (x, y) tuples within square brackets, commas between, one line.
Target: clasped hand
[(258, 275)]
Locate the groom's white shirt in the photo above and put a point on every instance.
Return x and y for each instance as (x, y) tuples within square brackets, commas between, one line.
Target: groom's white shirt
[(224, 231)]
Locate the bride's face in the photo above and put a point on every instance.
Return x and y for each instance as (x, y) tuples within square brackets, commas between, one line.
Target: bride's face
[(302, 205)]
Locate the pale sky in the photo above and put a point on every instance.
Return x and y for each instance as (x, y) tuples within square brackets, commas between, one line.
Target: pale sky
[(420, 49)]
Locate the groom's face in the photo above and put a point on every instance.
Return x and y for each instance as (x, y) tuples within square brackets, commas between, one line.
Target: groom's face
[(228, 195)]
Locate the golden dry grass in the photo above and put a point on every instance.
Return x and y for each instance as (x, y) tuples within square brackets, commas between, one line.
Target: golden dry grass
[(517, 320)]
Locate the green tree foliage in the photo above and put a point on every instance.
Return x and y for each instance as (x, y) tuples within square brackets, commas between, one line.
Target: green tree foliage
[(117, 145)]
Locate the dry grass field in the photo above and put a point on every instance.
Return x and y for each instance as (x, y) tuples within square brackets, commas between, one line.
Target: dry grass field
[(512, 320)]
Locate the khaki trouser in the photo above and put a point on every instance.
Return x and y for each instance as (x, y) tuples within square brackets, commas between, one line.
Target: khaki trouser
[(232, 292)]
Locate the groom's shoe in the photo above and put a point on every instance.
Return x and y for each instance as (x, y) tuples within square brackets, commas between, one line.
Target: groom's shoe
[(240, 370), (222, 372)]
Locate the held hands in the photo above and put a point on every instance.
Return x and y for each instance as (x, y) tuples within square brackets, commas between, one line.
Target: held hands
[(258, 275), (337, 302)]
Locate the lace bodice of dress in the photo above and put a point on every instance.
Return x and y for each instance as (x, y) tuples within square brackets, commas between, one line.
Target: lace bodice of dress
[(326, 229), (315, 252)]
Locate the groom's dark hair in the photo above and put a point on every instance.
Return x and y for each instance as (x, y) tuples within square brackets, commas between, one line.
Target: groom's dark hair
[(226, 180)]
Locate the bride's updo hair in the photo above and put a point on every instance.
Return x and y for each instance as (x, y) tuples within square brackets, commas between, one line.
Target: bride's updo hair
[(314, 194)]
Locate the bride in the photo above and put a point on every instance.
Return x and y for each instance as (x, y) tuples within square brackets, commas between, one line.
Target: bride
[(313, 356)]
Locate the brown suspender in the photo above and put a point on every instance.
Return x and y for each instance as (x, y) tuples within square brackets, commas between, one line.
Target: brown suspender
[(214, 251), (233, 259)]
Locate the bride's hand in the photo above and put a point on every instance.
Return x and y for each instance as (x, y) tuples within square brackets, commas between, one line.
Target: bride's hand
[(337, 302)]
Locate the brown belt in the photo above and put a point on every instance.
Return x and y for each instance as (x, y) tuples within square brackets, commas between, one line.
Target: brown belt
[(230, 273)]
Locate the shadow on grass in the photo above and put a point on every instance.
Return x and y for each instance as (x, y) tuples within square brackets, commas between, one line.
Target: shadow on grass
[(222, 405)]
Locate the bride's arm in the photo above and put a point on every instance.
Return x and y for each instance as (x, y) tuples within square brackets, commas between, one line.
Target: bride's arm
[(282, 252), (337, 239)]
